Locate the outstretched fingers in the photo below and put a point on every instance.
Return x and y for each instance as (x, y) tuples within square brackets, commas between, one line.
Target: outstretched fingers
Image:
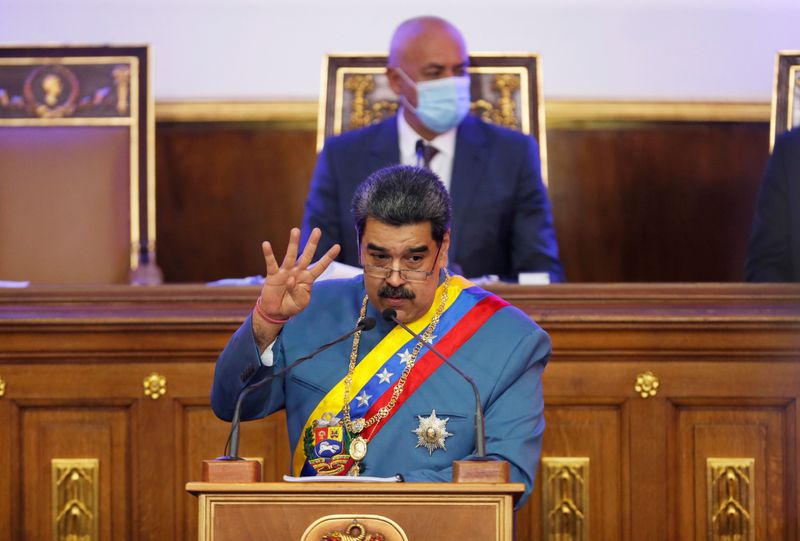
[(269, 258), (323, 263), (291, 250), (309, 249)]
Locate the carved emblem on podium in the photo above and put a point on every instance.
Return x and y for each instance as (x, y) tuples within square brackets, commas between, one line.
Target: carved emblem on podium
[(354, 528), (355, 532)]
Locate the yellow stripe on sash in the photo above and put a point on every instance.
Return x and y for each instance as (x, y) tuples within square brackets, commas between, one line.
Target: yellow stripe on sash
[(369, 365)]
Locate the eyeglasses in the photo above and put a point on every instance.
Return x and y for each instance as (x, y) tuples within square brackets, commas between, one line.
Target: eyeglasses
[(409, 275)]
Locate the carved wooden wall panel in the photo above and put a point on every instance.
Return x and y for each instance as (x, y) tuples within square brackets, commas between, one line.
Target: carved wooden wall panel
[(222, 190), (754, 431), (74, 363), (201, 436), (593, 431), (632, 201), (64, 430)]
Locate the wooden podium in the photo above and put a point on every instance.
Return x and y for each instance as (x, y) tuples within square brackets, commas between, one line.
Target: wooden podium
[(321, 511)]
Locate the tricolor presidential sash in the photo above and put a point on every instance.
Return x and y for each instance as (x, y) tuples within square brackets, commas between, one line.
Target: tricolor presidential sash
[(323, 446)]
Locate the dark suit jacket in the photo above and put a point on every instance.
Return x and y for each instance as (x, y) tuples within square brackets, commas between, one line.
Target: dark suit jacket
[(501, 214), (774, 251)]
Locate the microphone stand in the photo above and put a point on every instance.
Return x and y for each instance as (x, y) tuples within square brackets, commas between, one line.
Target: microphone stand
[(223, 469), (481, 469), (480, 435)]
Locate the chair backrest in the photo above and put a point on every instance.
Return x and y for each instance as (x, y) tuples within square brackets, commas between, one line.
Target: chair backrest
[(77, 182), (506, 90), (785, 95)]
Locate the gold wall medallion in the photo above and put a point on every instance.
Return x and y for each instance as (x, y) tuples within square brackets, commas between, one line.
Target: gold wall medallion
[(75, 494), (646, 384), (731, 499), (565, 498), (155, 386), (2, 387)]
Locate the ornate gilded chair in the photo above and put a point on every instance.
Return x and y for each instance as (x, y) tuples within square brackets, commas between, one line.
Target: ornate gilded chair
[(786, 94), (77, 181), (506, 90)]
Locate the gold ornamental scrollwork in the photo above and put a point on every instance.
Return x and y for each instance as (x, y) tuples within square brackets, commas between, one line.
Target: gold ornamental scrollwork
[(354, 528), (565, 498), (2, 387), (731, 499), (155, 386), (122, 80), (75, 496), (363, 111), (354, 532), (502, 112), (646, 384), (73, 90)]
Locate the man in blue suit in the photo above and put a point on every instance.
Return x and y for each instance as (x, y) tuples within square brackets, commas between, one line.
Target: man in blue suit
[(774, 251), (382, 405), (502, 224)]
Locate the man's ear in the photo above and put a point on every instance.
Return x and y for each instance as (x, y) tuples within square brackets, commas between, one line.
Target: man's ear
[(445, 246), (395, 80)]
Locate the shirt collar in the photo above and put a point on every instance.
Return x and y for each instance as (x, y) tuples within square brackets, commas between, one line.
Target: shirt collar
[(445, 142)]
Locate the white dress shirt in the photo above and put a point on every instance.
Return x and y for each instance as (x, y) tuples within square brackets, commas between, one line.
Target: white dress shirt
[(445, 143)]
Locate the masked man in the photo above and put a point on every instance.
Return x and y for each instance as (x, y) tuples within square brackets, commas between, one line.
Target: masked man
[(381, 404), (502, 223)]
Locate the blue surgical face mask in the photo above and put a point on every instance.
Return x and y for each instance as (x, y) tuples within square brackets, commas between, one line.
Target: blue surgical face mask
[(441, 103)]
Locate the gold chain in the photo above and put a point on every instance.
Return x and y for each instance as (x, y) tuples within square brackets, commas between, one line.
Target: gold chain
[(398, 389)]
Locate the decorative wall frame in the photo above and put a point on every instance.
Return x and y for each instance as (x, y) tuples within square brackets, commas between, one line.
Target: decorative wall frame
[(506, 90), (59, 94), (785, 94)]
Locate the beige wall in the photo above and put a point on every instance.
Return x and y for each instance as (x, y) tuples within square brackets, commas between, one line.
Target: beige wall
[(271, 49)]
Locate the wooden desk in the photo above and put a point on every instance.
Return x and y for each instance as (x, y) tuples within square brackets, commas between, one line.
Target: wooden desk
[(440, 511), (83, 371)]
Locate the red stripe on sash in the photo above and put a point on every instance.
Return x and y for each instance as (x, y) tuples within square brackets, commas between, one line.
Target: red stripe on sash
[(429, 362)]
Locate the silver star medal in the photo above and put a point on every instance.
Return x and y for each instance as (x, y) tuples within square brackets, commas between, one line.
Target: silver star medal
[(431, 432)]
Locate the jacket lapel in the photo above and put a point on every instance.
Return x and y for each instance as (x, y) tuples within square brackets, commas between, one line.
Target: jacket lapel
[(385, 147), (469, 170)]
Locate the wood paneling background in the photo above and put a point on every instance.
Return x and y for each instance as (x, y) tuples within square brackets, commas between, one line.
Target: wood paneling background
[(727, 357), (657, 201), (224, 188)]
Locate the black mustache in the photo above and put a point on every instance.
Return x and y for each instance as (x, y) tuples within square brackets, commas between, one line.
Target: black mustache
[(387, 290)]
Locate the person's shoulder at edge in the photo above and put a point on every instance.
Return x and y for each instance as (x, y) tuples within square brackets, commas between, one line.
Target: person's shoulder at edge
[(359, 137), (498, 133), (788, 137), (513, 319)]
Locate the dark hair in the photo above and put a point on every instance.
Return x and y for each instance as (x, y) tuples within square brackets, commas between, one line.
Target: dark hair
[(403, 195)]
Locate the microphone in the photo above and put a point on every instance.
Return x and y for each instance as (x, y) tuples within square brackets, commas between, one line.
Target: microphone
[(366, 324), (480, 436)]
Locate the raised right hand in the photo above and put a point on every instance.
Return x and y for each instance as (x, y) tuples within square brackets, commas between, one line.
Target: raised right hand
[(287, 289)]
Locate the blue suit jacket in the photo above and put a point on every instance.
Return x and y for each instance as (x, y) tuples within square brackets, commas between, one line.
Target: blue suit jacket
[(774, 251), (505, 357), (501, 223)]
